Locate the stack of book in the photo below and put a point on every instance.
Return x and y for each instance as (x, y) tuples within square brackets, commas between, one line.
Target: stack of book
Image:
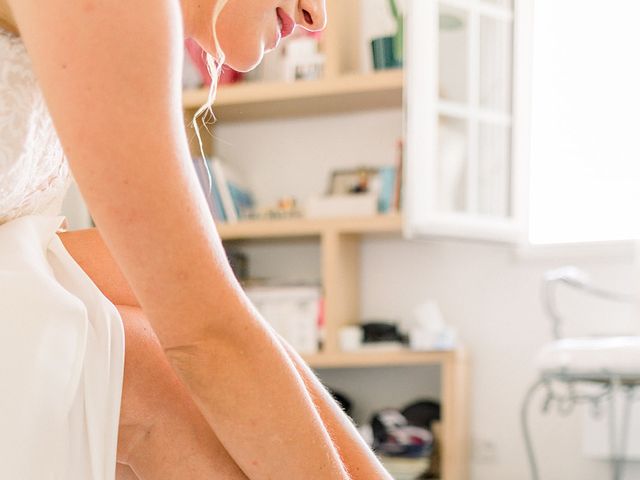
[(227, 193)]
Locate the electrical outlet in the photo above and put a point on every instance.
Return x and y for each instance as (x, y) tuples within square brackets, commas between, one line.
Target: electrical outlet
[(484, 451)]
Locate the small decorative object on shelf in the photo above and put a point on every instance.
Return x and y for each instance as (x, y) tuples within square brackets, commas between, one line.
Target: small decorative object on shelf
[(383, 332), (361, 192), (350, 338), (287, 207), (428, 330), (372, 336), (287, 204), (298, 59), (359, 180)]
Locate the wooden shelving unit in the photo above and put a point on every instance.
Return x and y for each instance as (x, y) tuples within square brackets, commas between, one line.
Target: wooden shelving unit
[(340, 258), (346, 93), (380, 359), (454, 367), (343, 89), (304, 227), (340, 251)]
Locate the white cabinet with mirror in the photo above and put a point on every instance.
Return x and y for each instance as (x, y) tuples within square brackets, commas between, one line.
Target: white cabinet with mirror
[(463, 178)]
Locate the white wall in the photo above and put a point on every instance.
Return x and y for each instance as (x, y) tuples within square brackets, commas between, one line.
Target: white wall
[(294, 156), (492, 297), (487, 292)]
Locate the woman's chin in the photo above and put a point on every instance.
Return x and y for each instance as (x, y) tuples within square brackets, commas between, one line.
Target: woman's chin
[(244, 64)]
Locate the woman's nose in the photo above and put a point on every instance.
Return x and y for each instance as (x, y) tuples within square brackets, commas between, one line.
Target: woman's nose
[(312, 15)]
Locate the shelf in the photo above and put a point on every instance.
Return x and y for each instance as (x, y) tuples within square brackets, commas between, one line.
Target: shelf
[(381, 359), (310, 227), (253, 100)]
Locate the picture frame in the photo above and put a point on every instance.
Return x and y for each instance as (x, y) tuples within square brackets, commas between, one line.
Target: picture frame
[(353, 181)]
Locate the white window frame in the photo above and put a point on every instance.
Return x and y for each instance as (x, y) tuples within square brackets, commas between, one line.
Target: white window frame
[(422, 220)]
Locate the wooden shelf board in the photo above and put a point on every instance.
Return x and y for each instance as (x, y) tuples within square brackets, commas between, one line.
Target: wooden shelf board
[(379, 359), (309, 227), (250, 101)]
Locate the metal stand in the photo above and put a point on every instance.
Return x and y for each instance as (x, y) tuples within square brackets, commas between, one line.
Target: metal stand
[(612, 385)]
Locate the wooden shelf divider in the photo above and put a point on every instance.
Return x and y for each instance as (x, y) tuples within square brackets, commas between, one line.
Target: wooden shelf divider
[(258, 100), (310, 227), (379, 358)]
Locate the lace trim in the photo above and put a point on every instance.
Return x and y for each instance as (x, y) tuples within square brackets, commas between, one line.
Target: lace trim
[(34, 174)]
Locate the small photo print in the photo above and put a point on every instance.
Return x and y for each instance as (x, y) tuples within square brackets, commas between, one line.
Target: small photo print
[(344, 182)]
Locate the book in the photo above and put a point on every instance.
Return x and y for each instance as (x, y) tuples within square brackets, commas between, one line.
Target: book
[(386, 198), (216, 199), (242, 199), (397, 202), (223, 190), (231, 192)]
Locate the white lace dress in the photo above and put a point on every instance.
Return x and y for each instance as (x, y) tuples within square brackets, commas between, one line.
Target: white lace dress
[(61, 340)]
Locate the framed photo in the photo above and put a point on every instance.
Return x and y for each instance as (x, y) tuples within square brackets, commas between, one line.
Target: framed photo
[(360, 180)]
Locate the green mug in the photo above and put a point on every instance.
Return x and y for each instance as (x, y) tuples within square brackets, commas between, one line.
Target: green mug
[(384, 53)]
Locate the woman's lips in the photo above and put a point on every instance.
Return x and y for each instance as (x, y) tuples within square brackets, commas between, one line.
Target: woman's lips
[(287, 24)]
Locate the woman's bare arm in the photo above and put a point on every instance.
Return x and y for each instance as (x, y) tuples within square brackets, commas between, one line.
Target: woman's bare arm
[(358, 458), (110, 73), (88, 249)]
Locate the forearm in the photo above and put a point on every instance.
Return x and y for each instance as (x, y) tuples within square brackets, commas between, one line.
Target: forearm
[(227, 376), (358, 458), (263, 415)]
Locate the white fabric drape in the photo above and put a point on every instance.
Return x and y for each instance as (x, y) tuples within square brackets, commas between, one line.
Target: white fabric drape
[(61, 360)]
